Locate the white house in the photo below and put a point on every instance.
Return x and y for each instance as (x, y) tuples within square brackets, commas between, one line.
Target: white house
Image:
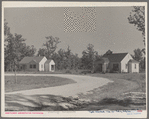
[(133, 66), (118, 62), (36, 64), (50, 65)]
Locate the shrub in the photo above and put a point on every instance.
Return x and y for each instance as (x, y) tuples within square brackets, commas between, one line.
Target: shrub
[(85, 72), (68, 72)]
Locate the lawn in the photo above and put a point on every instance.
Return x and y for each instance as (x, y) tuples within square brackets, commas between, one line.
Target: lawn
[(33, 82), (139, 78), (128, 92)]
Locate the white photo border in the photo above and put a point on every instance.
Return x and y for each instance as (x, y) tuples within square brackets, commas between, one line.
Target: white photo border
[(83, 114)]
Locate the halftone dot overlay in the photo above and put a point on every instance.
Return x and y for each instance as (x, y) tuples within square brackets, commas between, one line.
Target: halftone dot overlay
[(79, 19)]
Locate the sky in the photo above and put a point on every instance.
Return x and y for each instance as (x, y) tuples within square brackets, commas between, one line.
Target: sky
[(113, 30)]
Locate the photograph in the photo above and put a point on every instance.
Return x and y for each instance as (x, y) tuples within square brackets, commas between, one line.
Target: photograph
[(74, 59)]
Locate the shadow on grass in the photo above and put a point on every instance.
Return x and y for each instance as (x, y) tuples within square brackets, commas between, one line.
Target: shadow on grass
[(124, 102), (57, 103), (117, 104), (19, 102)]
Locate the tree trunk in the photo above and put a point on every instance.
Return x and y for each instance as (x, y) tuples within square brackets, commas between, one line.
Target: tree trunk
[(15, 73), (15, 76)]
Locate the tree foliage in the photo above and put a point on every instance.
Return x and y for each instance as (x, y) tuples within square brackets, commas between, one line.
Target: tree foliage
[(51, 45), (88, 57), (6, 28), (137, 17), (15, 49), (138, 56)]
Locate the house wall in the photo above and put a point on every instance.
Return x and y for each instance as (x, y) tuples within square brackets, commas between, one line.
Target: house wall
[(46, 66), (124, 62), (32, 69), (42, 64), (133, 69), (23, 67)]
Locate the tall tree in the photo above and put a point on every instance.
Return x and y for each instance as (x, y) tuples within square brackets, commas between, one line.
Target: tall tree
[(137, 17), (51, 45), (15, 49), (88, 57), (42, 52), (138, 54), (12, 53), (6, 28), (68, 55), (62, 59)]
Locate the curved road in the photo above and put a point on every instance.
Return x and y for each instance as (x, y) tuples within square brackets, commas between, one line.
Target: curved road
[(83, 85)]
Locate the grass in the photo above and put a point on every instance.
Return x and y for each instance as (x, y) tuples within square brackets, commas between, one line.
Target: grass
[(139, 78), (33, 82), (113, 97), (34, 72)]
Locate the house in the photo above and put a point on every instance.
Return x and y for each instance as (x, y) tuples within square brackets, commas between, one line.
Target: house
[(36, 64), (49, 65), (117, 62)]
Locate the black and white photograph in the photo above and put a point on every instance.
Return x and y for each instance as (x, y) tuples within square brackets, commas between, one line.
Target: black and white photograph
[(74, 59)]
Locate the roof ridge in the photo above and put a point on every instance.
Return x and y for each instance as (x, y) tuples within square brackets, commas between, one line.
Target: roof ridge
[(28, 59), (120, 53), (116, 57)]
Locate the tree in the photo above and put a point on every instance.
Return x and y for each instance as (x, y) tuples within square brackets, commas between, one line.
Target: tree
[(137, 17), (15, 49), (12, 53), (27, 51), (75, 62), (51, 45), (88, 57), (62, 59), (68, 55), (6, 28), (138, 55), (42, 52)]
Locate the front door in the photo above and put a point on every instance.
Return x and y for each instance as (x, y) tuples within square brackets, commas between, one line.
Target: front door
[(115, 67), (130, 67), (52, 68), (23, 67), (99, 67)]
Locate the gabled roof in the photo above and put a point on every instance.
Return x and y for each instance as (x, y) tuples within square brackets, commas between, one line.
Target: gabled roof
[(48, 61), (115, 57), (133, 61), (26, 60)]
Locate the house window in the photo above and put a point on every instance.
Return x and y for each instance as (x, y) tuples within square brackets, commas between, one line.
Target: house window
[(52, 67), (115, 67), (30, 66), (34, 66), (126, 66), (41, 66), (135, 66)]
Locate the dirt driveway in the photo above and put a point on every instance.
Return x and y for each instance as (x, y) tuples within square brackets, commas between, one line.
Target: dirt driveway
[(83, 85)]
